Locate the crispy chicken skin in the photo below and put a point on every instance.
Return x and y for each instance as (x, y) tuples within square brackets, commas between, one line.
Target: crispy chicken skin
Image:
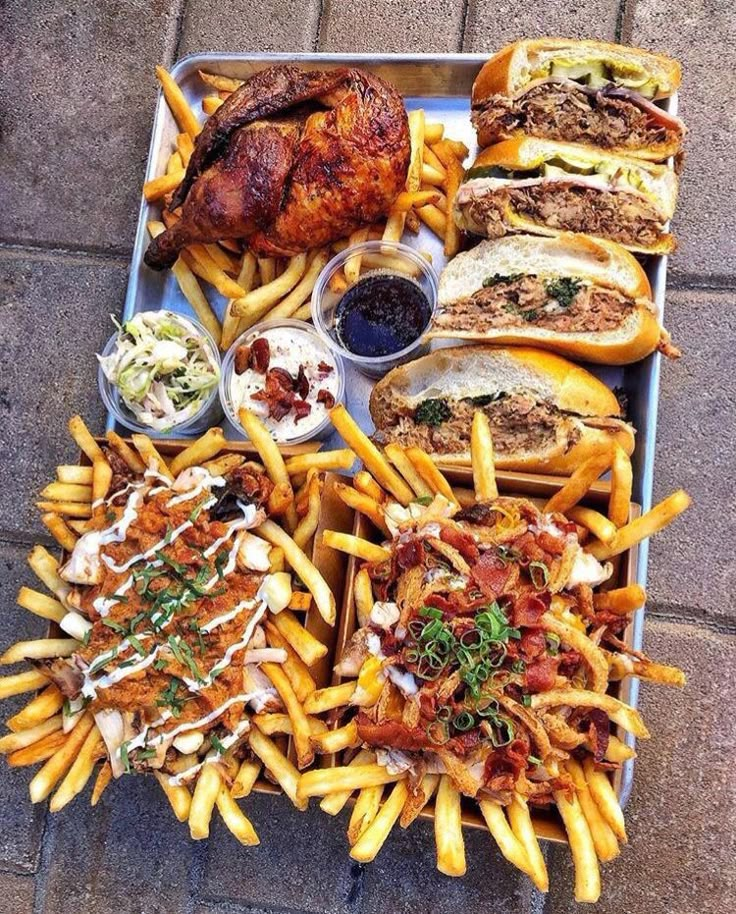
[(293, 160)]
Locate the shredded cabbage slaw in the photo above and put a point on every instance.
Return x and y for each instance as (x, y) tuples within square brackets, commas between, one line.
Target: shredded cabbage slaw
[(163, 368)]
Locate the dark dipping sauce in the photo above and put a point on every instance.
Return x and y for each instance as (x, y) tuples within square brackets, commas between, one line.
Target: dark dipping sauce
[(381, 314)]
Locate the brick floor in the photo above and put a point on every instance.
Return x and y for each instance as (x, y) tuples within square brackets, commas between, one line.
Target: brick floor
[(78, 98)]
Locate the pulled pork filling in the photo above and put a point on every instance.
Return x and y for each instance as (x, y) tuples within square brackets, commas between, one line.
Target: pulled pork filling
[(625, 218), (519, 423), (563, 306), (565, 111)]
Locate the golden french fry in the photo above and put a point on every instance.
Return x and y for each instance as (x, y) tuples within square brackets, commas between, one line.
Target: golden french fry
[(319, 781), (397, 456), (61, 532), (204, 448), (185, 146), (202, 265), (56, 767), (579, 641), (509, 845), (66, 491), (191, 290), (273, 461), (298, 298), (279, 766), (432, 176), (223, 464), (157, 188), (579, 482), (308, 524), (364, 811), (277, 723), (482, 458), (604, 838), (358, 501), (80, 771), (341, 459), (355, 545), (452, 231), (276, 561), (622, 600), (587, 873), (430, 158), (300, 599), (598, 524), (373, 837), (125, 452), (373, 459), (267, 269), (305, 645), (177, 794), (363, 596), (448, 829), (433, 133), (225, 83), (246, 280), (643, 527), (39, 649), (618, 751), (235, 819), (352, 264), (365, 483), (333, 803), (295, 668), (313, 580), (622, 480), (151, 457), (40, 751), (183, 114), (101, 480), (302, 742), (69, 508), (75, 474), (175, 163), (326, 699), (653, 672), (83, 438), (39, 708), (345, 737), (432, 216), (46, 569), (523, 829), (210, 104), (104, 776), (620, 713), (605, 798), (203, 801), (245, 779), (11, 742), (415, 803), (426, 468), (255, 304)]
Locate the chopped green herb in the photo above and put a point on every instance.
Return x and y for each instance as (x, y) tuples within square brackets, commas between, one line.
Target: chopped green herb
[(160, 664), (86, 636), (177, 566), (499, 278), (169, 533), (124, 757), (115, 626), (526, 700), (217, 745), (553, 643), (533, 760), (432, 412), (563, 290), (517, 666), (485, 399), (137, 646), (423, 500), (143, 754)]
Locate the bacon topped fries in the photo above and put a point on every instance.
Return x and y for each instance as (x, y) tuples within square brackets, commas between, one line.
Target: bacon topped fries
[(484, 657), (169, 656)]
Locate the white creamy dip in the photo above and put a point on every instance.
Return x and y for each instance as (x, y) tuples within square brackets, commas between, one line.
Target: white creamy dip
[(289, 347)]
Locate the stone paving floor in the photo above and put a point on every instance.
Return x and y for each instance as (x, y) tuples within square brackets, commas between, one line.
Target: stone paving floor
[(78, 93)]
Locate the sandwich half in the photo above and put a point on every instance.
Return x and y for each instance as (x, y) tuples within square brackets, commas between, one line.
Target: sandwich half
[(578, 296), (546, 414), (579, 92), (545, 188)]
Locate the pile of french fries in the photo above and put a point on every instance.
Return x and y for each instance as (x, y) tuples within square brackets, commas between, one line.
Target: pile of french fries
[(589, 808), (260, 288), (69, 745)]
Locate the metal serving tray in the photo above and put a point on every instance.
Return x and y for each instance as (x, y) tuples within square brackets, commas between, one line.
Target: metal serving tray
[(440, 84)]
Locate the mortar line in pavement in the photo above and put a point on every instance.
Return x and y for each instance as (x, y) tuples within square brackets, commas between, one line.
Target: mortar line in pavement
[(20, 538), (39, 249), (620, 20), (624, 27), (675, 614), (42, 872), (318, 32), (713, 282), (178, 30), (464, 23)]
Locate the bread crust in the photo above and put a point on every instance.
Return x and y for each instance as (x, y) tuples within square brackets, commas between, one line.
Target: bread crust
[(498, 74), (574, 390)]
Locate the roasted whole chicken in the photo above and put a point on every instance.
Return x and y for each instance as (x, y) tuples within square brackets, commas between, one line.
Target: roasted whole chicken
[(292, 160)]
